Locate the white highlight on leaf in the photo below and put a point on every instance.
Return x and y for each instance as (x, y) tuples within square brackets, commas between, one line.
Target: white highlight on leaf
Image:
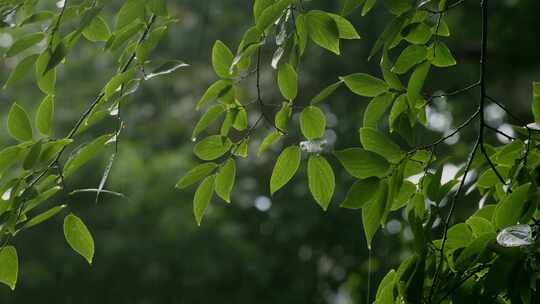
[(516, 236), (313, 146)]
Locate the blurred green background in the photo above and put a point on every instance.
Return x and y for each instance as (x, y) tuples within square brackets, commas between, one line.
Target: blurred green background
[(259, 249)]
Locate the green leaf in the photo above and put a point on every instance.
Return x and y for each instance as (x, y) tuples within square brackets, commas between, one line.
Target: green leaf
[(323, 30), (362, 164), (400, 106), (59, 53), (9, 266), (222, 59), (129, 12), (196, 174), (225, 180), (368, 5), (326, 92), (19, 124), (40, 218), (158, 7), (268, 141), (416, 82), (85, 154), (417, 33), (480, 225), (312, 122), (79, 237), (288, 81), (144, 49), (24, 43), (46, 81), (241, 120), (536, 101), (202, 198), (217, 89), (350, 5), (360, 193), (210, 116), (365, 85), (345, 28), (510, 209), (212, 147), (372, 213), (44, 116), (386, 67), (376, 108), (32, 157), (282, 116), (411, 56), (374, 141), (270, 14), (37, 17), (440, 56), (8, 157), (259, 7), (21, 70), (321, 180), (97, 30), (285, 168)]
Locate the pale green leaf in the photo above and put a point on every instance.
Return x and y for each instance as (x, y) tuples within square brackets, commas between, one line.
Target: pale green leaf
[(321, 180), (79, 237), (285, 168)]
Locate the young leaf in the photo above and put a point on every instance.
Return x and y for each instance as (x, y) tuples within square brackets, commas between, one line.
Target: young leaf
[(24, 43), (202, 198), (326, 92), (196, 174), (323, 30), (40, 218), (9, 266), (417, 33), (440, 56), (222, 59), (510, 209), (19, 124), (79, 237), (44, 116), (286, 166), (210, 116), (212, 147), (365, 85), (321, 180), (376, 108), (268, 141), (372, 213), (411, 56), (536, 101), (416, 82), (97, 30), (345, 28), (312, 122), (225, 180), (374, 141), (362, 164), (360, 193), (214, 91), (288, 81), (129, 12), (85, 154), (21, 70), (46, 81)]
